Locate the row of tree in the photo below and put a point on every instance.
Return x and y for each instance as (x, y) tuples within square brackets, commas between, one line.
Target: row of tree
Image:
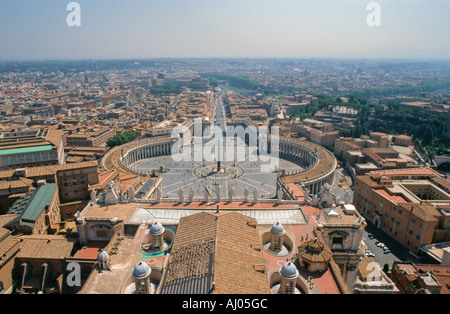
[(120, 139), (406, 89), (240, 82)]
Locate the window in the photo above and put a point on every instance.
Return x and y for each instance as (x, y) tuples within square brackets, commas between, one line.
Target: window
[(289, 287), (338, 241), (276, 245), (101, 233)]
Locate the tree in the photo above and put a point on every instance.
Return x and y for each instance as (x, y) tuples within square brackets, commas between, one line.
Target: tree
[(120, 139), (427, 136)]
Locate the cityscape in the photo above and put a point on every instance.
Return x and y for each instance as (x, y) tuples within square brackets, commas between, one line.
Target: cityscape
[(223, 175)]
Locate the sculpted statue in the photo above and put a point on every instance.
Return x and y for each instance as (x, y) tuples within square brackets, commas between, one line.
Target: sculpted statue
[(230, 194), (181, 195), (246, 193), (218, 193), (191, 195), (255, 196)]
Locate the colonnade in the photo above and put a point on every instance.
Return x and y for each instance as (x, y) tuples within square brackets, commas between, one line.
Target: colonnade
[(308, 154), (146, 151)]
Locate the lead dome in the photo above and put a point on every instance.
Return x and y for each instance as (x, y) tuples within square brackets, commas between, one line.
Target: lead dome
[(102, 256), (156, 229), (289, 271), (277, 229), (141, 270)]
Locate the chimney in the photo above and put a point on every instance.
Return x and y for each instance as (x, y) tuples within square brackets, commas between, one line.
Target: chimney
[(217, 209)]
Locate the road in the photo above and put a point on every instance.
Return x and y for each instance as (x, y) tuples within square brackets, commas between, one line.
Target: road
[(398, 252), (220, 119)]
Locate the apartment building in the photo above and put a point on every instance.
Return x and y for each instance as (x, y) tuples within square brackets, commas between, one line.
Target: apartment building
[(96, 136)]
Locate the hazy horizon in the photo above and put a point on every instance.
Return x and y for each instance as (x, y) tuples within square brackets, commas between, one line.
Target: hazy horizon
[(227, 29)]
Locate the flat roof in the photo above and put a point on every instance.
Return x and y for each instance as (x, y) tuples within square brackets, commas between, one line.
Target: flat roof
[(173, 216)]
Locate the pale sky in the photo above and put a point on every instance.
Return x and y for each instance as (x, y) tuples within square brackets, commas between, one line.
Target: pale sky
[(37, 29)]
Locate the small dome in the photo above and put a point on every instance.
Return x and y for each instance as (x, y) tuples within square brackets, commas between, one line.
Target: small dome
[(102, 256), (289, 271), (157, 229), (277, 229), (141, 270)]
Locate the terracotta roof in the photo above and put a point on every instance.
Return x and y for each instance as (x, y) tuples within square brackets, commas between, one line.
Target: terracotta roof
[(45, 247), (15, 184), (444, 183), (326, 163), (425, 211), (315, 251), (366, 269), (4, 219), (92, 163), (441, 273), (4, 174), (40, 171), (54, 137), (215, 247)]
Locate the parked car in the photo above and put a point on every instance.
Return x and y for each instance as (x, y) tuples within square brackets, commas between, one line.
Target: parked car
[(370, 236), (386, 251), (380, 244)]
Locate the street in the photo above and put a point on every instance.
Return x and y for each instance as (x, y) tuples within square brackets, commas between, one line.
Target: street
[(398, 252)]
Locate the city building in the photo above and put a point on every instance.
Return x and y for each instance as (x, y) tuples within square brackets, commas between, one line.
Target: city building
[(405, 204), (37, 211), (413, 278), (40, 264), (31, 148), (95, 136), (318, 132), (371, 279), (74, 180), (341, 228)]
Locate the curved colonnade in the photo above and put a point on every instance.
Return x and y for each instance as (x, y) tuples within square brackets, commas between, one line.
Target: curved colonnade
[(320, 163)]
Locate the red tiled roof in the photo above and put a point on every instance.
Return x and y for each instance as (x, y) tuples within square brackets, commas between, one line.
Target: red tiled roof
[(393, 198)]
